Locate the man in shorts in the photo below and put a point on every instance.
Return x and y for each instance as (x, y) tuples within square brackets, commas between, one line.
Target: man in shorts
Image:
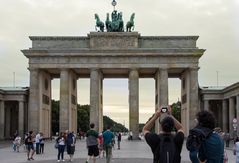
[(70, 144), (92, 143), (30, 147)]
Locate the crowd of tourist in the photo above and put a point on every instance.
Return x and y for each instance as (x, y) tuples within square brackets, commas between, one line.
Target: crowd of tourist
[(205, 141)]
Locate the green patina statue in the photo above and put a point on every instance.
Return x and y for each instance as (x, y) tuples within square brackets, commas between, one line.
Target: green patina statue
[(130, 24), (116, 24), (99, 23)]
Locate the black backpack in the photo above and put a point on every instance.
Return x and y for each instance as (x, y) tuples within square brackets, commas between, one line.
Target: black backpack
[(196, 137), (166, 150)]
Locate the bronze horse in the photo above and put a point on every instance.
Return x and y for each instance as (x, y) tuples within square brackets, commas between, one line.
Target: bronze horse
[(99, 23), (130, 24)]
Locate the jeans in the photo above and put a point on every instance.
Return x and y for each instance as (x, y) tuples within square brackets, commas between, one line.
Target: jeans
[(108, 151), (61, 150), (193, 155), (37, 148)]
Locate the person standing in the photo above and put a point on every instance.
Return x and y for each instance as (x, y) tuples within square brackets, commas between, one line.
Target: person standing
[(30, 147), (61, 147), (18, 142), (166, 146), (92, 143), (119, 139), (42, 143), (108, 137), (70, 144), (37, 141), (211, 149), (236, 149)]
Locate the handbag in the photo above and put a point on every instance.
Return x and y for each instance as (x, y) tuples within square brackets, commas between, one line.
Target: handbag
[(56, 145)]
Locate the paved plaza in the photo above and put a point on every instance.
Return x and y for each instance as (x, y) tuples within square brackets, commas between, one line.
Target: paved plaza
[(130, 152)]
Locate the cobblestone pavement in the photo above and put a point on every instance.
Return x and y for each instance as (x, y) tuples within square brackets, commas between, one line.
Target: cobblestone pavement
[(130, 152)]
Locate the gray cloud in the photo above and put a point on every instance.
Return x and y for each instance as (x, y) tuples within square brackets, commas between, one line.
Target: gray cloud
[(215, 21)]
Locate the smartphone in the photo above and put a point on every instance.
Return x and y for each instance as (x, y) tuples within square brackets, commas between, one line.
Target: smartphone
[(164, 109)]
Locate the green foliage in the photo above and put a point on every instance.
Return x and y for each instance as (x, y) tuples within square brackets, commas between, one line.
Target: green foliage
[(83, 119), (115, 127), (55, 108), (176, 110)]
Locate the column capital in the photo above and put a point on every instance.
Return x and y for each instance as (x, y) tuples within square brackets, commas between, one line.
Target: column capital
[(194, 68), (33, 69)]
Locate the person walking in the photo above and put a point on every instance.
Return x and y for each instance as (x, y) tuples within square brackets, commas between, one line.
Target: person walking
[(119, 140), (108, 137), (166, 146), (92, 143), (211, 149), (101, 149), (70, 144), (30, 147), (61, 147)]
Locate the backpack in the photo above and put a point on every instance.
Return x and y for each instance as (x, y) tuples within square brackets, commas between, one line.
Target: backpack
[(196, 137), (166, 150)]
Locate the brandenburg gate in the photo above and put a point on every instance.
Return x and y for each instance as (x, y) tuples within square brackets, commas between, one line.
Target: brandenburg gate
[(110, 53), (102, 55)]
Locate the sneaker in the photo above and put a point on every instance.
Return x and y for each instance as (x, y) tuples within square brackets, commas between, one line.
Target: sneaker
[(86, 161), (29, 159), (58, 160), (32, 158)]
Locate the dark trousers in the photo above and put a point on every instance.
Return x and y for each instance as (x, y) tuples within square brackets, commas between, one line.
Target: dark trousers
[(61, 150), (41, 148), (37, 148)]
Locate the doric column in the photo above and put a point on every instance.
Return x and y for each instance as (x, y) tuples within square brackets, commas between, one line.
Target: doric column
[(64, 100), (96, 113), (7, 122), (206, 105), (225, 116), (21, 118), (193, 98), (2, 120), (134, 102), (33, 109), (231, 114), (161, 93), (237, 108)]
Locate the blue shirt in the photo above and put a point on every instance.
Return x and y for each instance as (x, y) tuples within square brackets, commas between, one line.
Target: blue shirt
[(108, 136), (212, 149)]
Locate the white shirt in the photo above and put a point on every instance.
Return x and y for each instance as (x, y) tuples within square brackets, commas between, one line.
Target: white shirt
[(37, 139)]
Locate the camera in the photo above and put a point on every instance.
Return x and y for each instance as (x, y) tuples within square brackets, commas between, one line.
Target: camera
[(164, 109)]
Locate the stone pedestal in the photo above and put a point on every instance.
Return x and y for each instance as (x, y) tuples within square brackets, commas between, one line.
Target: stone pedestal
[(64, 100), (134, 103), (225, 116), (161, 93), (206, 105), (21, 118), (231, 114), (193, 100), (33, 109), (96, 112), (2, 120), (237, 108)]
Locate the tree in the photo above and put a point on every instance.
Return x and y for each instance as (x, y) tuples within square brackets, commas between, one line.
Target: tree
[(83, 119), (55, 108)]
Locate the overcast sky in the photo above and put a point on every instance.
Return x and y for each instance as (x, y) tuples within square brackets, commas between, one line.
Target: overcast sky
[(215, 21)]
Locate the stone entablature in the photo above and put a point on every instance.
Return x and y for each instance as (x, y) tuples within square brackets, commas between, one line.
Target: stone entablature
[(14, 94), (219, 93), (113, 40)]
